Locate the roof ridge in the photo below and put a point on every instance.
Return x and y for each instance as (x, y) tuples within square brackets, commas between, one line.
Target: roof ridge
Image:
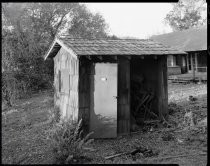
[(182, 31), (70, 37)]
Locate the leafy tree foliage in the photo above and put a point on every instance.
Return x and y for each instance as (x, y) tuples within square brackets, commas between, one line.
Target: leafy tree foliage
[(186, 14), (87, 25), (27, 31)]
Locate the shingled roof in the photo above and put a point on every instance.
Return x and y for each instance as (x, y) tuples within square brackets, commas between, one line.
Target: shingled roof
[(194, 39), (81, 46)]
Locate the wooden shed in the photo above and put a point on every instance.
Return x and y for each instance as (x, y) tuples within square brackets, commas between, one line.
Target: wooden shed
[(93, 80)]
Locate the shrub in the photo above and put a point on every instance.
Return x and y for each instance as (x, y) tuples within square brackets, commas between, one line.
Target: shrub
[(16, 85), (173, 108), (68, 141), (55, 115), (9, 88)]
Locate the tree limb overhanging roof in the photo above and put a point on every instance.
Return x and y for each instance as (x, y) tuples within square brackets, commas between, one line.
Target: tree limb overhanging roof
[(81, 46), (194, 39)]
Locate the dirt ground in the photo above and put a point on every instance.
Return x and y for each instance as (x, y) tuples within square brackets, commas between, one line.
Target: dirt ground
[(25, 127)]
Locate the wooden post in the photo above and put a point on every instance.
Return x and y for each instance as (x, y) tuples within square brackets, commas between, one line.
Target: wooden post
[(165, 87), (193, 73), (162, 92), (196, 62), (193, 67), (84, 93), (123, 112), (187, 63)]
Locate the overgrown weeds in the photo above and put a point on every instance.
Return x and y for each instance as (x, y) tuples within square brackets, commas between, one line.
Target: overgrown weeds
[(173, 108), (55, 115), (17, 85), (68, 141)]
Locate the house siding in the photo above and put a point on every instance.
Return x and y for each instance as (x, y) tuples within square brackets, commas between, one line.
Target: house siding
[(174, 70)]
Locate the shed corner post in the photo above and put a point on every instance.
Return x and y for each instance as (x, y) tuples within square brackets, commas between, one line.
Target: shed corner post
[(84, 94), (123, 106), (162, 94)]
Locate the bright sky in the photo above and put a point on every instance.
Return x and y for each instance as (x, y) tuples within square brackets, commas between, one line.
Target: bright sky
[(140, 20)]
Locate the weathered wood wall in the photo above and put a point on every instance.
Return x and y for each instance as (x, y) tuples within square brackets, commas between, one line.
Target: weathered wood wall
[(86, 72), (162, 91), (123, 112), (66, 72)]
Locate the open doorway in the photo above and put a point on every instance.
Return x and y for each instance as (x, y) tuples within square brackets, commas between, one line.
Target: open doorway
[(144, 85)]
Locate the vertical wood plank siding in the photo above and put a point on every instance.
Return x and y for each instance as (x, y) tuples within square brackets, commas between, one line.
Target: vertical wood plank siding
[(84, 93), (123, 112), (162, 92), (67, 99), (165, 87)]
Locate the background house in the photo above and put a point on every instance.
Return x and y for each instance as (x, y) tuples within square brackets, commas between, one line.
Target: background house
[(93, 80), (194, 42)]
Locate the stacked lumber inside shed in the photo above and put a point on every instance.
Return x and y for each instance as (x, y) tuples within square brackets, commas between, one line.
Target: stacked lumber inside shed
[(142, 99)]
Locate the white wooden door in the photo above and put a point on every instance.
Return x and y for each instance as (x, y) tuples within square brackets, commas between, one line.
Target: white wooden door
[(103, 115)]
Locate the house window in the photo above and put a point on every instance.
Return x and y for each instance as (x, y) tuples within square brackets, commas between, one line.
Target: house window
[(171, 60), (183, 61)]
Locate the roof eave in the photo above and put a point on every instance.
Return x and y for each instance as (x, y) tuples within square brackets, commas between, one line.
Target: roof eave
[(62, 44), (50, 49)]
